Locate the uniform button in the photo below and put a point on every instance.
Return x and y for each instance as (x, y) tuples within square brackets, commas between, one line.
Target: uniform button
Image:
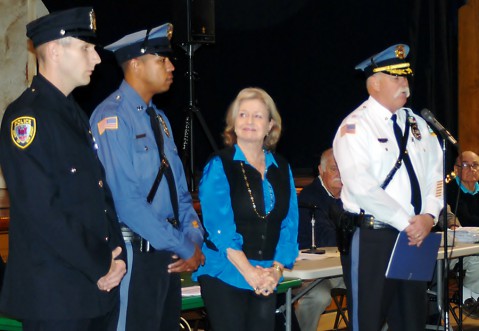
[(106, 211), (73, 170), (146, 148), (106, 239), (100, 183), (260, 252), (263, 236)]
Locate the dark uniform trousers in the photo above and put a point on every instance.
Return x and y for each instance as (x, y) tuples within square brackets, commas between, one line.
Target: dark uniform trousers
[(154, 295), (376, 292)]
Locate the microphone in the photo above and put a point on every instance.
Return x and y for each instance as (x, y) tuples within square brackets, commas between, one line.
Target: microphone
[(429, 117)]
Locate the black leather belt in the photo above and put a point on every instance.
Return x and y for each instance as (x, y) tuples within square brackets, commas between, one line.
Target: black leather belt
[(366, 221)]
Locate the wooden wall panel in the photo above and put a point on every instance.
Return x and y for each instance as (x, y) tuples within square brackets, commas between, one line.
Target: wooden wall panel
[(468, 76)]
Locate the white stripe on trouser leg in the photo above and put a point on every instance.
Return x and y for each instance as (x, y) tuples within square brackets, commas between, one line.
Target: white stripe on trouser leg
[(354, 251), (124, 288)]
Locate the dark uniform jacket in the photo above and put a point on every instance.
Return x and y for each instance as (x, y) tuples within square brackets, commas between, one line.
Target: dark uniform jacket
[(63, 224), (319, 202)]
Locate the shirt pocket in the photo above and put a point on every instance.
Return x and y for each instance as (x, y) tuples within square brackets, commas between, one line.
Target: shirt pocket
[(143, 144), (145, 156)]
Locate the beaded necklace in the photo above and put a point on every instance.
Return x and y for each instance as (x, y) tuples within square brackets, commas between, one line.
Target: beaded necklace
[(251, 195)]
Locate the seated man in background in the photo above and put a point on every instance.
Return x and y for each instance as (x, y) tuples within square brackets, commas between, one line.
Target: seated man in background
[(316, 199), (466, 188)]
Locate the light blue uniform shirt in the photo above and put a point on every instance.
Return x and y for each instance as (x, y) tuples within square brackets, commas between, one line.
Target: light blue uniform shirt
[(128, 151), (218, 219)]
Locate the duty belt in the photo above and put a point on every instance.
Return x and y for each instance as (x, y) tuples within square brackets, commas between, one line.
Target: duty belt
[(366, 221), (132, 237), (129, 235)]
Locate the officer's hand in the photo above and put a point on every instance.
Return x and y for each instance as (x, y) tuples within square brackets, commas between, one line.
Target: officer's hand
[(115, 274), (419, 228), (188, 265)]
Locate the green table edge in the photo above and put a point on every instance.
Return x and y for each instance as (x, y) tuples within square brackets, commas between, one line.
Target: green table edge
[(195, 302)]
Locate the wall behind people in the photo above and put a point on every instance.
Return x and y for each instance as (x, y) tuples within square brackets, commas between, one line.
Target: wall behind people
[(302, 52), (17, 65), (468, 72)]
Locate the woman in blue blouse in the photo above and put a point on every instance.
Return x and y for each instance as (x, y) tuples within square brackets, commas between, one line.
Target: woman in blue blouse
[(250, 212)]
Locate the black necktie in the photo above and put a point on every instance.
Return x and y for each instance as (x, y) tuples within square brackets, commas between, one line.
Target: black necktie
[(415, 189), (164, 164)]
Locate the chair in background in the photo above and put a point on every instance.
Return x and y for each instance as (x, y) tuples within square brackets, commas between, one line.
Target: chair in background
[(339, 298)]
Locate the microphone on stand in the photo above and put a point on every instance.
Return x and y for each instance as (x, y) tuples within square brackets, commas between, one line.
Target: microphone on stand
[(313, 249), (429, 117)]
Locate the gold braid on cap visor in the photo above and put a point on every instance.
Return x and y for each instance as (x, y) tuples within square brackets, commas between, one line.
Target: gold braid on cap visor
[(396, 69)]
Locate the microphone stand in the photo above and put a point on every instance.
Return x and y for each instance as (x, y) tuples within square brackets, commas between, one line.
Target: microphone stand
[(190, 48), (445, 267), (444, 288), (313, 249), (313, 240)]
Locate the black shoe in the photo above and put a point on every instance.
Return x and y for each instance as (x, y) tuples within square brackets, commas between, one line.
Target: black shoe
[(470, 308)]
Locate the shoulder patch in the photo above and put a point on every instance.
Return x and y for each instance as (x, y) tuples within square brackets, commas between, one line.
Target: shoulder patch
[(348, 129), (22, 131), (108, 123)]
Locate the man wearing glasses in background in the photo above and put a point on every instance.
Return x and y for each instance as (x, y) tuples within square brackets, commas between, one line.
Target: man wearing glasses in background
[(465, 184)]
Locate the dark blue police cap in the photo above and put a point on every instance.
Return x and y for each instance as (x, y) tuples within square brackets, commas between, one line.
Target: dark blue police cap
[(77, 22), (391, 61), (154, 41)]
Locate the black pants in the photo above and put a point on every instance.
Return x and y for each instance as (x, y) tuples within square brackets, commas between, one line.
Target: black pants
[(103, 323), (232, 309), (402, 304), (154, 295)]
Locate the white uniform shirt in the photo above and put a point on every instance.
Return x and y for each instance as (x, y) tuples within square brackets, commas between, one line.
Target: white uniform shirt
[(366, 150)]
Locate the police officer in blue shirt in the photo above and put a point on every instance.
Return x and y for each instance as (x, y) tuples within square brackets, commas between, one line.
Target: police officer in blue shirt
[(67, 255), (136, 147)]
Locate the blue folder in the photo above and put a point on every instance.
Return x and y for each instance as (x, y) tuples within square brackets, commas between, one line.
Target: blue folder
[(412, 262)]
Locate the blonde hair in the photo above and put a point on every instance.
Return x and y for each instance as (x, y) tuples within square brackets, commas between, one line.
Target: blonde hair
[(253, 93)]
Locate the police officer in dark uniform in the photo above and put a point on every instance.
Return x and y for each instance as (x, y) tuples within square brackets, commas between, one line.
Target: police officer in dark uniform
[(66, 255)]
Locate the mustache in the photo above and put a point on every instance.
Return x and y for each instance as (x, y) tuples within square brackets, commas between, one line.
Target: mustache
[(403, 90)]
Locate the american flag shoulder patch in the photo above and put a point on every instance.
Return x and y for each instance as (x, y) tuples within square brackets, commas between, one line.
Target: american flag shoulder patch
[(108, 123), (348, 129)]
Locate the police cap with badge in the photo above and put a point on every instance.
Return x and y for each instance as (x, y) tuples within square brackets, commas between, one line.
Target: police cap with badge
[(391, 61), (154, 41), (76, 22)]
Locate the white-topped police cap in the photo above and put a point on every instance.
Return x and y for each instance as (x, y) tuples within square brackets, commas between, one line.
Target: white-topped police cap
[(391, 61), (78, 22), (154, 41)]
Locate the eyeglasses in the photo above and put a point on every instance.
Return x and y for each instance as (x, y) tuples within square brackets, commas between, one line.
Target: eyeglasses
[(465, 165)]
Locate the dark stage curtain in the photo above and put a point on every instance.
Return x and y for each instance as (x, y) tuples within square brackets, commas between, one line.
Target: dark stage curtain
[(303, 52)]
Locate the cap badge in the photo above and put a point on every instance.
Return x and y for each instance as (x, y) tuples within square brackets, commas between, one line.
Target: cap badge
[(400, 52), (23, 131), (169, 32), (92, 21)]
